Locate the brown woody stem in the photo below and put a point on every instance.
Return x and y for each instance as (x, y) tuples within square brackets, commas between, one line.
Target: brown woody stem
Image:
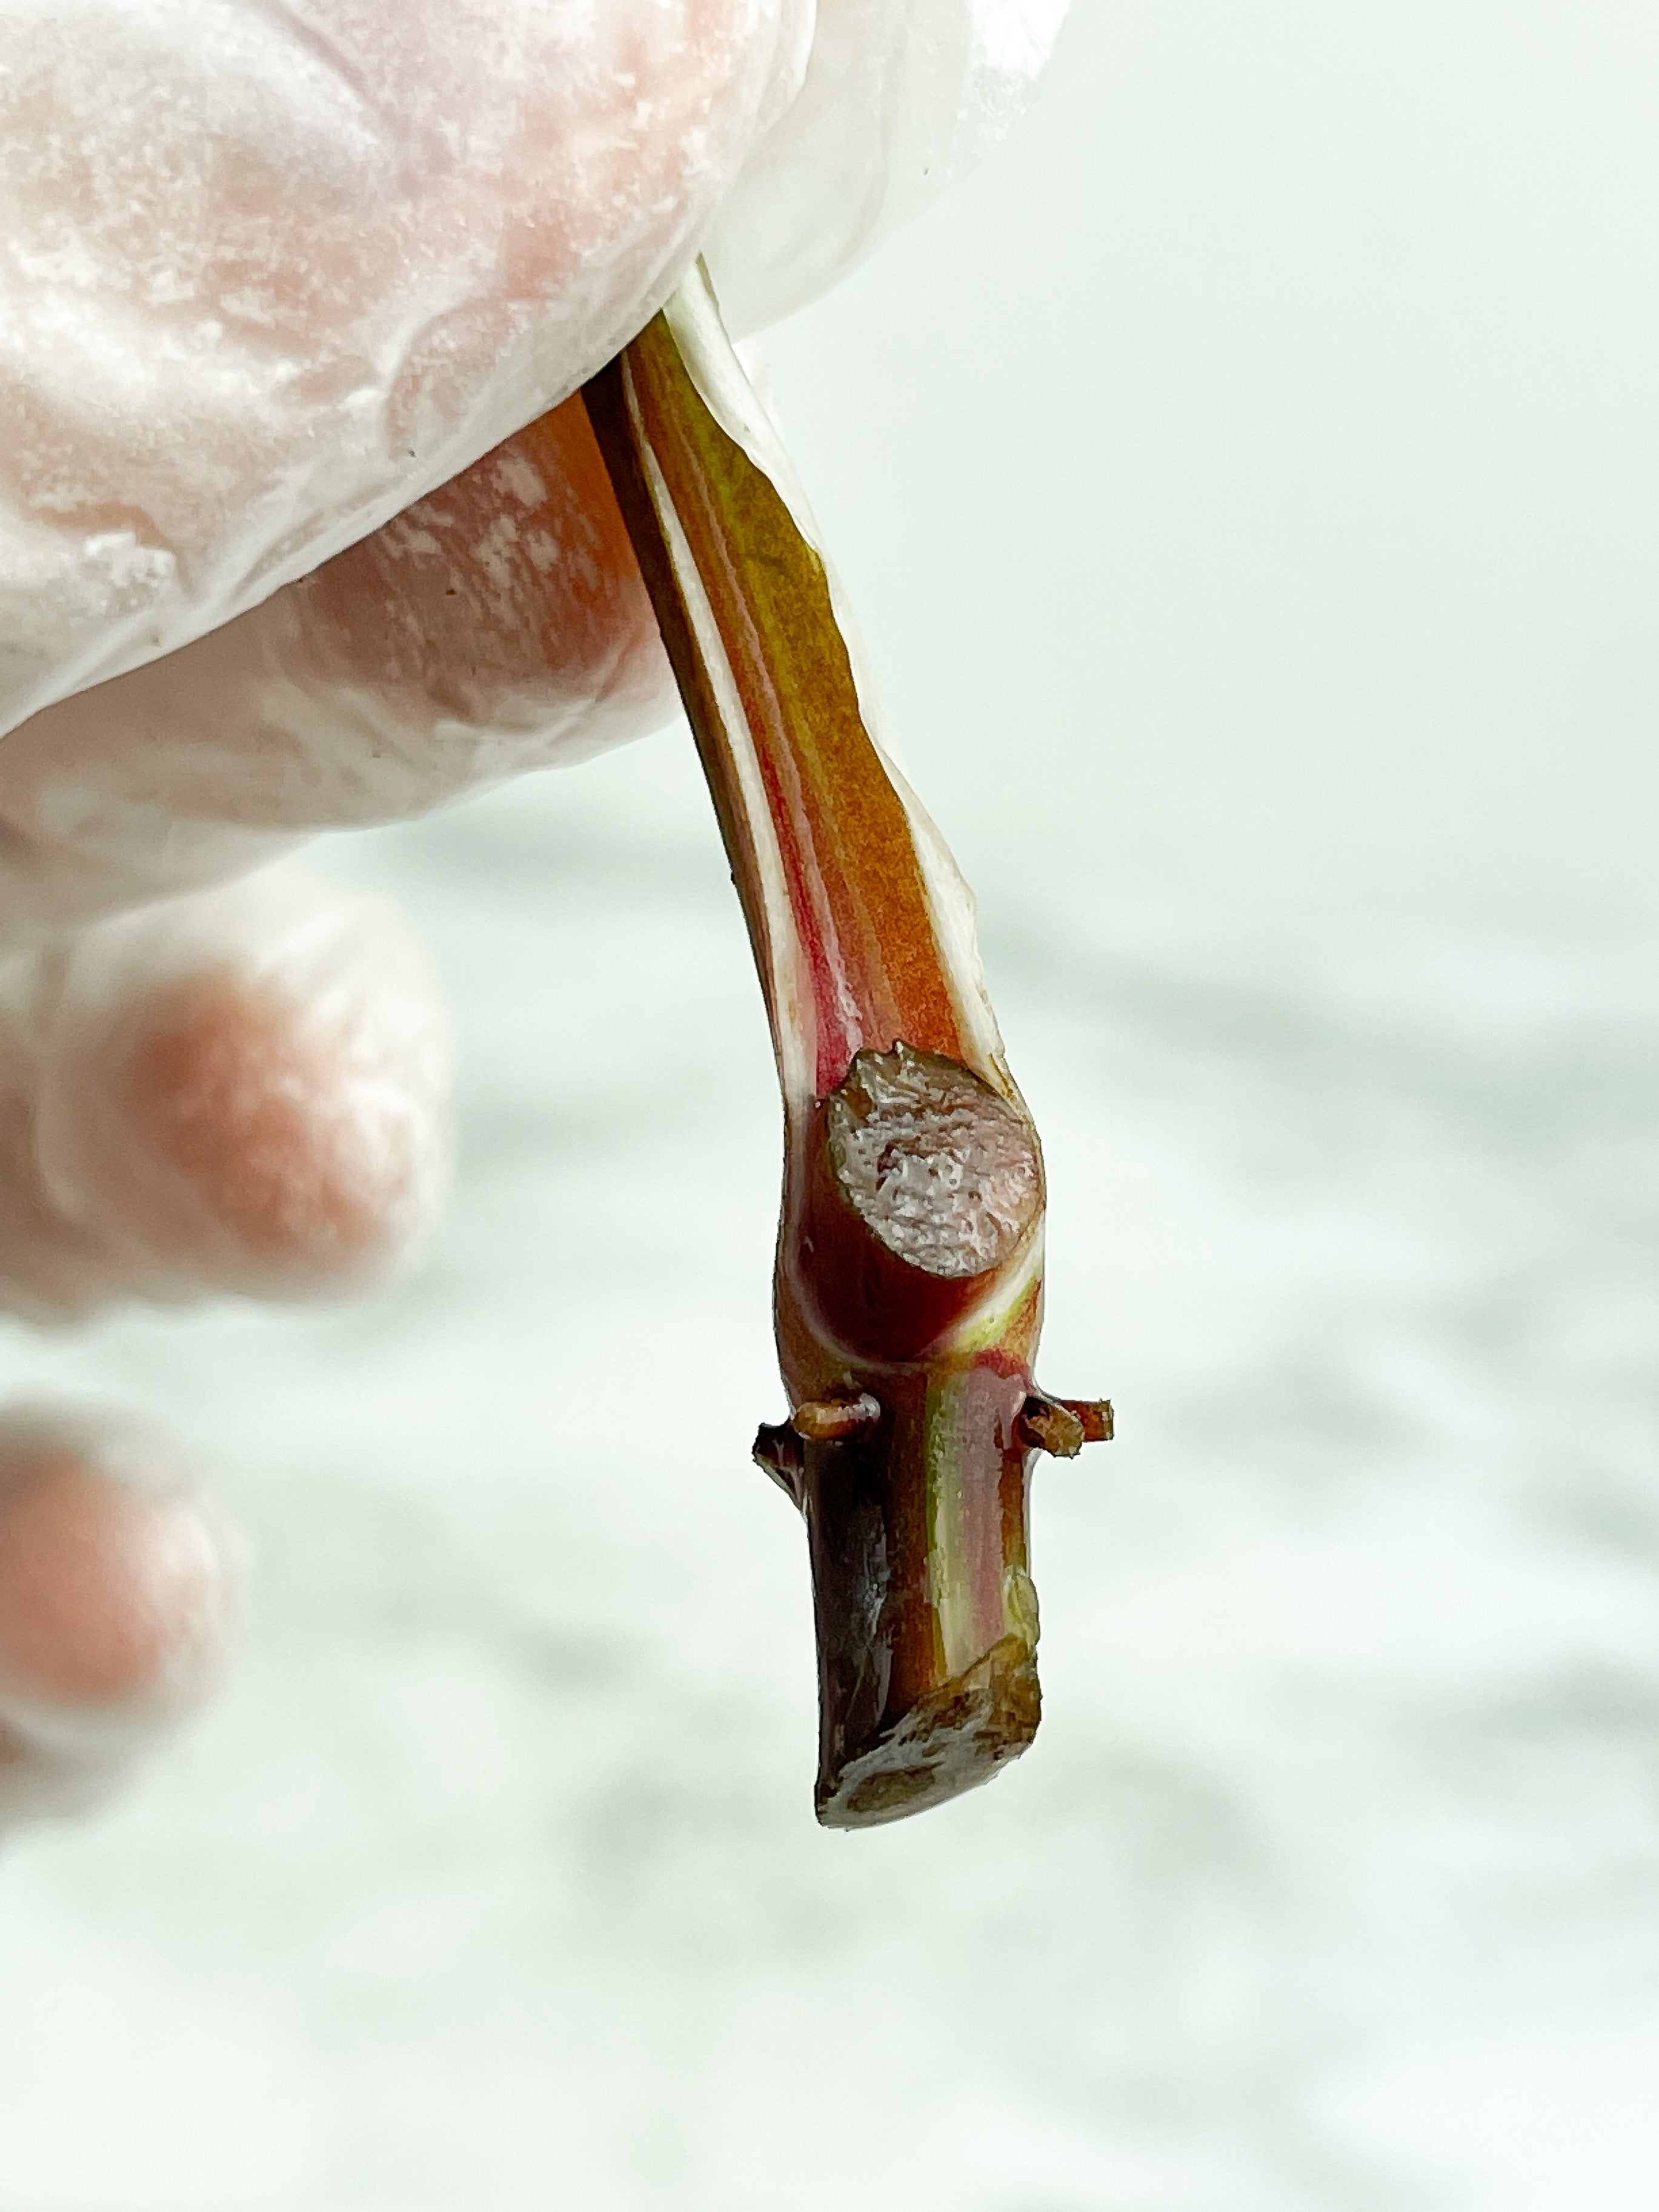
[(909, 1281)]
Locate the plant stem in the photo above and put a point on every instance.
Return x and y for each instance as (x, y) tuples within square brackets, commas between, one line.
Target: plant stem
[(908, 1278)]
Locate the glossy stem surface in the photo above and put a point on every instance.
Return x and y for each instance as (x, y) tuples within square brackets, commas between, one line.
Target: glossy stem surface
[(908, 1276)]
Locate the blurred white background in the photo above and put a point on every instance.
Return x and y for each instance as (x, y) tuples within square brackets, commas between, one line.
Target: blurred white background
[(1270, 436), (1248, 484)]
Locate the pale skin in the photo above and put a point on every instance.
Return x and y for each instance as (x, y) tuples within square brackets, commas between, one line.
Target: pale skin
[(216, 1074)]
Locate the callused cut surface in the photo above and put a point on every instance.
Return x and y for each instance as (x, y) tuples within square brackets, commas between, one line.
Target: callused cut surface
[(941, 1169)]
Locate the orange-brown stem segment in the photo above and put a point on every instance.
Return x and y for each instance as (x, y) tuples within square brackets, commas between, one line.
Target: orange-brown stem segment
[(908, 1278)]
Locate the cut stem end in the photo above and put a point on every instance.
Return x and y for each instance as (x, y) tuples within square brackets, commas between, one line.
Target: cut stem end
[(957, 1737)]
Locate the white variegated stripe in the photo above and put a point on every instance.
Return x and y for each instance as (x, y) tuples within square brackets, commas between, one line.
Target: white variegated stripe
[(794, 1019), (951, 903), (987, 1323)]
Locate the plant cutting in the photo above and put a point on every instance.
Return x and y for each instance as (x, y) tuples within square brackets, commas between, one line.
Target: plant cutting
[(908, 1281)]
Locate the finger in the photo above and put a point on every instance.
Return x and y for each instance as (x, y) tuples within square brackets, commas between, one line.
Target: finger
[(117, 1596), (275, 272), (242, 1090), (273, 277), (498, 625)]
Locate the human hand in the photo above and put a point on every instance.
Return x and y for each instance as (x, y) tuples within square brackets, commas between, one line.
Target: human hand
[(285, 283)]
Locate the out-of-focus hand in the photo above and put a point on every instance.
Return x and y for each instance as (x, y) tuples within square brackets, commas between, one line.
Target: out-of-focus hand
[(283, 285)]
